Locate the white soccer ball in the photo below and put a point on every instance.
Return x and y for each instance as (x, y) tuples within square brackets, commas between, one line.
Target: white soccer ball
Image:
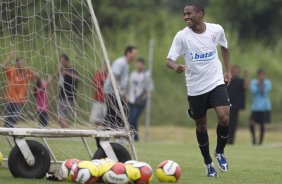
[(168, 171), (87, 173), (67, 169), (116, 175)]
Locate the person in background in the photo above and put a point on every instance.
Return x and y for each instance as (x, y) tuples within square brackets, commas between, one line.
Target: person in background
[(139, 84), (41, 98), (261, 105), (68, 81), (236, 92), (120, 69), (18, 77), (99, 108)]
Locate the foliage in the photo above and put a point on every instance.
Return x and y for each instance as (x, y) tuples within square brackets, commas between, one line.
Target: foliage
[(252, 18)]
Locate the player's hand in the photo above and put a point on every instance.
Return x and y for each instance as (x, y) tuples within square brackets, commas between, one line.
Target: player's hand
[(227, 78), (180, 68)]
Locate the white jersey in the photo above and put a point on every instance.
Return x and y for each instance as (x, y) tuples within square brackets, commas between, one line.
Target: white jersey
[(203, 67), (139, 83)]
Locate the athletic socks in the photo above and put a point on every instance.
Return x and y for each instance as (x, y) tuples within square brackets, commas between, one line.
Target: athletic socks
[(222, 138), (252, 130), (203, 140), (261, 133)]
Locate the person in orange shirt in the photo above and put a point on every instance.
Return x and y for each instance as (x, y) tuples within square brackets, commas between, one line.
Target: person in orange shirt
[(16, 88)]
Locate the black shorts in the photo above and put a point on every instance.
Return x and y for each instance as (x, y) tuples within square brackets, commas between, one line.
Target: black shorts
[(201, 103), (261, 117)]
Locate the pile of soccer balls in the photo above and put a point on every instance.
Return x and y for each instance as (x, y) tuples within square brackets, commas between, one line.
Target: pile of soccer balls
[(111, 172)]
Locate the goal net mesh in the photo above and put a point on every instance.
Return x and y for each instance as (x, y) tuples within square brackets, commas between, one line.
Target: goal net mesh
[(39, 31)]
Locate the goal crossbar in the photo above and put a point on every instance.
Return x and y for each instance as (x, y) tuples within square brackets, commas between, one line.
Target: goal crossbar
[(36, 132)]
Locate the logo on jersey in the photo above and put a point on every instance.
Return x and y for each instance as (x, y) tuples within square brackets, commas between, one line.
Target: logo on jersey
[(196, 56), (213, 38)]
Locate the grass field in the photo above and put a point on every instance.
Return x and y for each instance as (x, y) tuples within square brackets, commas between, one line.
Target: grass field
[(248, 164)]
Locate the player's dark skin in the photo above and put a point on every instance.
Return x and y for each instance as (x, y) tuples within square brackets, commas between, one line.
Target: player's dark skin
[(194, 19)]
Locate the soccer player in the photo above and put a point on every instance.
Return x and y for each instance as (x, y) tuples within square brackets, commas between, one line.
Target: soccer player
[(205, 81), (17, 86), (261, 105), (236, 92), (120, 68), (139, 86), (68, 81), (99, 108)]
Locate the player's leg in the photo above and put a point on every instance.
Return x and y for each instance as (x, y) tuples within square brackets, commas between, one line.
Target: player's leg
[(198, 111), (13, 111), (219, 100), (234, 112), (62, 113), (134, 113), (262, 131), (252, 127), (265, 118), (43, 119)]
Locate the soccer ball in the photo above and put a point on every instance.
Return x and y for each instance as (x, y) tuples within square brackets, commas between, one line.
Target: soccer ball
[(168, 171), (85, 172), (139, 172), (116, 175), (66, 171), (103, 165)]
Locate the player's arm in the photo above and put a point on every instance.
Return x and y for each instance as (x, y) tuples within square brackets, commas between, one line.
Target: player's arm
[(176, 50), (174, 66), (226, 60)]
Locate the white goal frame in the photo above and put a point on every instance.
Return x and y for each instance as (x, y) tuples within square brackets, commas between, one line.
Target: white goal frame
[(102, 136)]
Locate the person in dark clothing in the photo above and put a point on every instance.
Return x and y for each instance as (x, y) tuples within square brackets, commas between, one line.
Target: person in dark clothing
[(236, 92), (68, 81)]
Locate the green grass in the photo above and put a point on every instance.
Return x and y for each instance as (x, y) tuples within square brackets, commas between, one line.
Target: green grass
[(248, 164)]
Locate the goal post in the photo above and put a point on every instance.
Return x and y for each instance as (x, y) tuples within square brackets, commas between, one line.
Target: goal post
[(54, 41), (107, 61)]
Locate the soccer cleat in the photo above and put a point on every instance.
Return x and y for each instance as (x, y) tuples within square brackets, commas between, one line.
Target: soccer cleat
[(222, 161), (210, 170)]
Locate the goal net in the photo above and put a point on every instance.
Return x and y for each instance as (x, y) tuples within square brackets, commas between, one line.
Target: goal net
[(50, 51)]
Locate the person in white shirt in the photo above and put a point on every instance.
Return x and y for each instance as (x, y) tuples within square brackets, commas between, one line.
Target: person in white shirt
[(139, 86), (120, 69), (205, 81)]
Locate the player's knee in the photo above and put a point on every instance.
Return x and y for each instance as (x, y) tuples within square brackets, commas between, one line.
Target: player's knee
[(201, 126), (224, 120)]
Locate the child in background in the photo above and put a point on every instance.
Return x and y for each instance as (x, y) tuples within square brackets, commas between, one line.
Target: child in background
[(41, 97)]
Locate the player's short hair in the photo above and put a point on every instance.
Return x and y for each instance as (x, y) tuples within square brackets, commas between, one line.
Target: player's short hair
[(140, 60), (129, 48), (198, 6), (64, 56)]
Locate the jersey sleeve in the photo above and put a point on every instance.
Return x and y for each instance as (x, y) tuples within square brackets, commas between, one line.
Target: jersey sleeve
[(220, 39), (177, 48)]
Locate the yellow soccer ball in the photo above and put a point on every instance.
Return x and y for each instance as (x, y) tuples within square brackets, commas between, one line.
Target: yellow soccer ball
[(139, 172), (168, 171), (1, 158)]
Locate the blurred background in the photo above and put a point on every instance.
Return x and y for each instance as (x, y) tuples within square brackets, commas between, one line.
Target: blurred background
[(253, 31)]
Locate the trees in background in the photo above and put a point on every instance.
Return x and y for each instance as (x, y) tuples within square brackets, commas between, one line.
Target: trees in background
[(251, 18)]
